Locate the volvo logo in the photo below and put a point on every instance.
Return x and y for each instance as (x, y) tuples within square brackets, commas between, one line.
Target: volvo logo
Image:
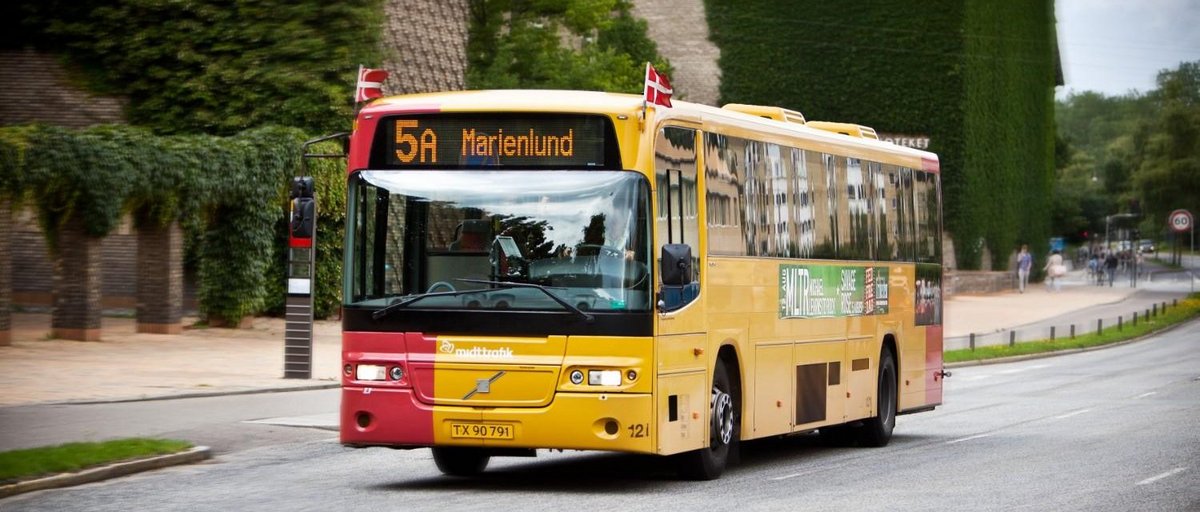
[(484, 385)]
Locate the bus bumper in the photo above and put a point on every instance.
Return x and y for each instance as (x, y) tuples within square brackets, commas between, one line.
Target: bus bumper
[(572, 421)]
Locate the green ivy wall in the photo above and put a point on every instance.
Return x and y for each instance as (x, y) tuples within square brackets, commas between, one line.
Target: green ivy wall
[(977, 77)]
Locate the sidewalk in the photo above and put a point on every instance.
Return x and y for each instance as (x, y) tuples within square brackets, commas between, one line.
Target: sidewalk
[(966, 314), (126, 365)]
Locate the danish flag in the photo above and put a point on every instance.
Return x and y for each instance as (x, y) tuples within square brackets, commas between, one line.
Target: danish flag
[(658, 88), (370, 84)]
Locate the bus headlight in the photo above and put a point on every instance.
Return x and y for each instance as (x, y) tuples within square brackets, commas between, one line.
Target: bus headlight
[(604, 377)]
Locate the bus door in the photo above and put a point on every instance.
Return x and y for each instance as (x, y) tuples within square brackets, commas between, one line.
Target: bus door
[(682, 361)]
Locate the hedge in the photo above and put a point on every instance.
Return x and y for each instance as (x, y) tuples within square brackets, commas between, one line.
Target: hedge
[(228, 193), (977, 78)]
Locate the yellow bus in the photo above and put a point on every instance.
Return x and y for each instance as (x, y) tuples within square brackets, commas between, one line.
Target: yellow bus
[(573, 270)]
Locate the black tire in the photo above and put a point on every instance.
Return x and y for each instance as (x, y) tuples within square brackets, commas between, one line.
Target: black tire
[(725, 416), (456, 461), (877, 431)]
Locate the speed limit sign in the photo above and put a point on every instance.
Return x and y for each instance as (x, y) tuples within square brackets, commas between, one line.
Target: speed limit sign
[(1180, 220)]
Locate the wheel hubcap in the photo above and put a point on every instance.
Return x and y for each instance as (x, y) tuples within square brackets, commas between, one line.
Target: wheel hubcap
[(722, 411)]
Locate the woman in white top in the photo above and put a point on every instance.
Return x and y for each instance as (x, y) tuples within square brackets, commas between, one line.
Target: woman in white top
[(1055, 270)]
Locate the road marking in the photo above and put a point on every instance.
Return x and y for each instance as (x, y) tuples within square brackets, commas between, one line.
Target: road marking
[(1144, 395), (1068, 415), (968, 438), (1025, 369), (1162, 476), (793, 475)]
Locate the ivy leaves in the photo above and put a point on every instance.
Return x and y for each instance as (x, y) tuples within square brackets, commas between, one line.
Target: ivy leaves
[(226, 191)]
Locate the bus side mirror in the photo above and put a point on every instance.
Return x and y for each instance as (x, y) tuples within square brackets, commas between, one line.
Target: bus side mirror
[(676, 264)]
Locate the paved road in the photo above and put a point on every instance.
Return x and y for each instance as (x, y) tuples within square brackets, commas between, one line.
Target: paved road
[(219, 422), (1111, 429)]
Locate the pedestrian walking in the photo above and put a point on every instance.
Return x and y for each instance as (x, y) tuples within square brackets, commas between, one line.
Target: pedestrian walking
[(1110, 266), (1024, 265), (1055, 270)]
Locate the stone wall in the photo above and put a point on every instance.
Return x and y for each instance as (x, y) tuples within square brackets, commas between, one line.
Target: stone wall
[(36, 88), (977, 282), (680, 29)]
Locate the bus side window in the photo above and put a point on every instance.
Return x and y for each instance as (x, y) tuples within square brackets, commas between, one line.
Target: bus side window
[(677, 221)]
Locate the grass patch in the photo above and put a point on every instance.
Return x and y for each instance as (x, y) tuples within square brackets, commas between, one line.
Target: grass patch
[(31, 463), (1187, 309)]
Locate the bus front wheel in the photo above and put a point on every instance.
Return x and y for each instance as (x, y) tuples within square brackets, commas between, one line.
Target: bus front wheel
[(456, 461), (724, 430)]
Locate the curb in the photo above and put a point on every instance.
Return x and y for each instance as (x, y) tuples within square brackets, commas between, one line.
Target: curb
[(118, 469), (199, 394)]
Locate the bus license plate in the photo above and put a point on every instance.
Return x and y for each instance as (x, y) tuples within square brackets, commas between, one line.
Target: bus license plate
[(481, 431)]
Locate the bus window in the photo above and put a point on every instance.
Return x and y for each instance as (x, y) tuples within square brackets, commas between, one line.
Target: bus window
[(929, 229), (724, 198)]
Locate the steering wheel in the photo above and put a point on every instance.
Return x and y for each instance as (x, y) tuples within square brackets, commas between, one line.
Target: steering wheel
[(440, 284)]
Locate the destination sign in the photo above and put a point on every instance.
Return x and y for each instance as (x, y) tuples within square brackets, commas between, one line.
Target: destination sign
[(500, 140)]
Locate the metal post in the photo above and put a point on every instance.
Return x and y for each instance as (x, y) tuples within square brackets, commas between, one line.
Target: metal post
[(1051, 333), (1012, 338), (972, 342), (1121, 322), (301, 264), (1135, 318), (298, 316), (1099, 326), (1072, 331)]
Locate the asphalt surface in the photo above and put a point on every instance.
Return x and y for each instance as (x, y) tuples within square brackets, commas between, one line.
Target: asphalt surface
[(1105, 430)]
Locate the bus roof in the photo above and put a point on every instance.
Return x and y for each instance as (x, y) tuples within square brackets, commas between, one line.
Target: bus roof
[(592, 102)]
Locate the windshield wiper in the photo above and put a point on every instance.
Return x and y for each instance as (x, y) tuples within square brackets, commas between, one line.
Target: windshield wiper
[(509, 284), (404, 301)]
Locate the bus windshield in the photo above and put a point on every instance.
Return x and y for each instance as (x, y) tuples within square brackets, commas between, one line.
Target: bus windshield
[(565, 241)]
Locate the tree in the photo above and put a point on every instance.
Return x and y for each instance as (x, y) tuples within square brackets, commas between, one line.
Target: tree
[(1080, 201), (212, 66), (574, 44), (1168, 175)]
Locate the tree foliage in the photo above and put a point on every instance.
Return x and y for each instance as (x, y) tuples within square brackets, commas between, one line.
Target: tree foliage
[(212, 66), (1144, 149), (228, 193), (1168, 175), (573, 44), (976, 77)]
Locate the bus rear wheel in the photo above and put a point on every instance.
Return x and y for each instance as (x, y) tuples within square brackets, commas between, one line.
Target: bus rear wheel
[(458, 461), (724, 430), (877, 431)]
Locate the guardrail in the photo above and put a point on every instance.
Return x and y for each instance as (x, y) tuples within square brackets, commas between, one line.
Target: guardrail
[(1011, 337)]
